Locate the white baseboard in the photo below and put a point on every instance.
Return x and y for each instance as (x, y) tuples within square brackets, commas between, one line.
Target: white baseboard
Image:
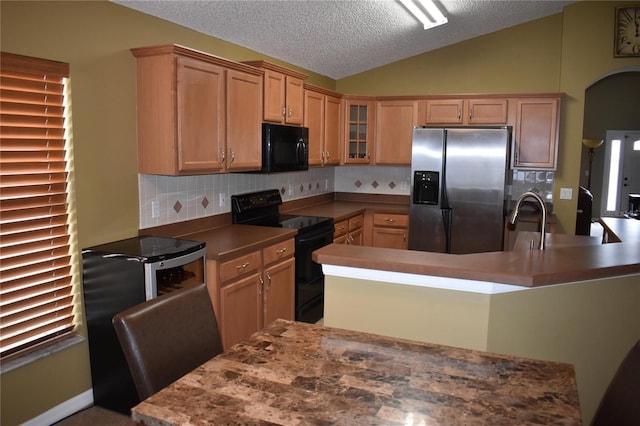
[(67, 408)]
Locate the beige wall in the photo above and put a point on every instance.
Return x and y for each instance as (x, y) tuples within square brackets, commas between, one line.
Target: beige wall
[(525, 58), (590, 324), (550, 54)]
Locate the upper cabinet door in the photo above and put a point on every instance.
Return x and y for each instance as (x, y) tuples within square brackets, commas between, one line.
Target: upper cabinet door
[(274, 96), (314, 120), (244, 121), (444, 111), (332, 130), (395, 121), (359, 123), (487, 111), (200, 112), (294, 95), (535, 144)]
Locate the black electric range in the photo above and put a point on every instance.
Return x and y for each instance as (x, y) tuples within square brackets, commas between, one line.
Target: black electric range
[(262, 209)]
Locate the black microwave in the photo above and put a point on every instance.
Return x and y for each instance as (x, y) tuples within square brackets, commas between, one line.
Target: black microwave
[(284, 148)]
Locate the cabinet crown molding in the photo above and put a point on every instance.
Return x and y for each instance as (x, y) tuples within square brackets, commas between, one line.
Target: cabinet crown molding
[(177, 49), (275, 67), (322, 90)]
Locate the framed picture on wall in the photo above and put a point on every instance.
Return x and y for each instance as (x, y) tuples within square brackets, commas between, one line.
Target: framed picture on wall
[(627, 32)]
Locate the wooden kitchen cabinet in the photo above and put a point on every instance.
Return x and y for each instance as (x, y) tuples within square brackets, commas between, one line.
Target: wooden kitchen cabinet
[(279, 291), (250, 291), (395, 120), (359, 125), (349, 231), (188, 110), (243, 123), (390, 230), (322, 117), (471, 111), (535, 140), (283, 93)]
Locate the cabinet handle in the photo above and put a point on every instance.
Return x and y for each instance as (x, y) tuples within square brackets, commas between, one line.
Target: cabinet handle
[(459, 114), (268, 281), (233, 156), (242, 266), (404, 237), (515, 154), (470, 115), (282, 250), (327, 158), (224, 155), (260, 286), (357, 222), (290, 112), (388, 220), (284, 110)]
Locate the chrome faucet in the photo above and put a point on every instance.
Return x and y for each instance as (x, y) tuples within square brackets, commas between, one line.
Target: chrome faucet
[(543, 224)]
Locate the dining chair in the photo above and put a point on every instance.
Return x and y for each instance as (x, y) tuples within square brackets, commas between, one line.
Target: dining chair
[(166, 337), (620, 404)]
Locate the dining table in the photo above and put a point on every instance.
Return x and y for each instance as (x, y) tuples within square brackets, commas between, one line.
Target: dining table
[(295, 373)]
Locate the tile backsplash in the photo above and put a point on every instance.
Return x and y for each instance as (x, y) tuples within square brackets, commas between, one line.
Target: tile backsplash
[(535, 181), (170, 199)]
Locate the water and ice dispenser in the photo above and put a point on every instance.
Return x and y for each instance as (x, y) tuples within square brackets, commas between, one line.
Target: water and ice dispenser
[(426, 186)]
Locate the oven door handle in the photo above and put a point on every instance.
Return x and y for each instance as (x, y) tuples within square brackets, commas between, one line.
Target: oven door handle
[(303, 240)]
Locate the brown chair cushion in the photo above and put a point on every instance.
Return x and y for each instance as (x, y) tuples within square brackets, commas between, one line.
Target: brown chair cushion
[(166, 337), (620, 404)]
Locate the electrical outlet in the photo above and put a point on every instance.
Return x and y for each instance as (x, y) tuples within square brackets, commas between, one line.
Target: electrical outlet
[(566, 193), (326, 184), (403, 185), (290, 189), (155, 209), (223, 199)]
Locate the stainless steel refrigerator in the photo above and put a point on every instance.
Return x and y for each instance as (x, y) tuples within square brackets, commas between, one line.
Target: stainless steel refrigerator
[(458, 178)]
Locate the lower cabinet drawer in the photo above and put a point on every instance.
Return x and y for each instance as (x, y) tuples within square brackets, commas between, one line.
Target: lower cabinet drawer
[(278, 251), (239, 266), (391, 220)]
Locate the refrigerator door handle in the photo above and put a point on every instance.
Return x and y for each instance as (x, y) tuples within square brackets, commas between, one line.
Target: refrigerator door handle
[(446, 220)]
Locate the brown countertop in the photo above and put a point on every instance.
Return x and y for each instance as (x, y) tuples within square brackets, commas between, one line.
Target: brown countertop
[(621, 229), (295, 373), (553, 241), (234, 240), (522, 267), (340, 210)]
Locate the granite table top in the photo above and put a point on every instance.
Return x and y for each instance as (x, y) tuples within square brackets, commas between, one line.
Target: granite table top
[(293, 373)]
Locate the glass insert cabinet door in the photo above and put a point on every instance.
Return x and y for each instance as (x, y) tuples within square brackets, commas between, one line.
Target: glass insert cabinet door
[(359, 128)]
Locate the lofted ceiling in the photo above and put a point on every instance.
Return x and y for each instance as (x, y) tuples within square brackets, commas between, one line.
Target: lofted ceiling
[(339, 38)]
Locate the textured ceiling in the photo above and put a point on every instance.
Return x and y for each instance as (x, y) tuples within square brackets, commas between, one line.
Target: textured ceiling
[(339, 38)]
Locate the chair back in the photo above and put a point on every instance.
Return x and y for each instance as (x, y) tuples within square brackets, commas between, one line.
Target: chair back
[(166, 337), (620, 404)]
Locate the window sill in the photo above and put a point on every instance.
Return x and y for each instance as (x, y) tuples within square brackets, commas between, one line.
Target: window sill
[(40, 354)]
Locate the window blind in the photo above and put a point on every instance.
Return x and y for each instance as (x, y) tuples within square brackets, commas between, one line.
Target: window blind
[(36, 298)]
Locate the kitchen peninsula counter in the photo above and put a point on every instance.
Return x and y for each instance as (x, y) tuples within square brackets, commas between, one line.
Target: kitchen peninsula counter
[(529, 268)]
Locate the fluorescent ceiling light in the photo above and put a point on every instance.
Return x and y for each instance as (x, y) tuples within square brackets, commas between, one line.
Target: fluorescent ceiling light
[(435, 17)]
